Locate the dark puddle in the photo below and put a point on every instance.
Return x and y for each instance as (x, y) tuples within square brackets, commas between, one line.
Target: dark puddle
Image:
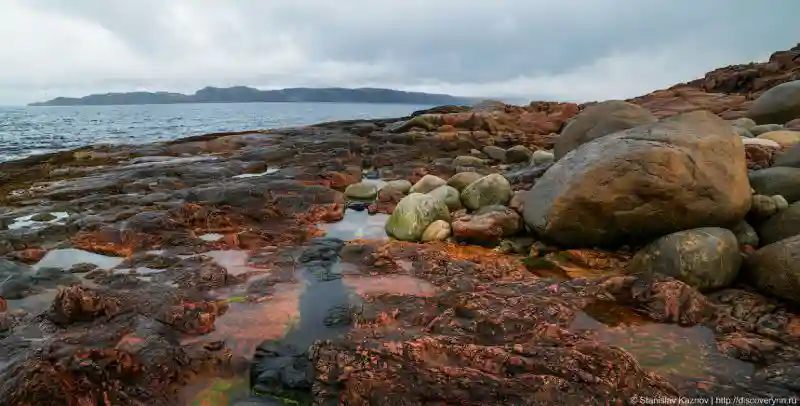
[(683, 355)]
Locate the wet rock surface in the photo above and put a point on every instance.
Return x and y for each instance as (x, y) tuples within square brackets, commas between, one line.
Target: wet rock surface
[(237, 269)]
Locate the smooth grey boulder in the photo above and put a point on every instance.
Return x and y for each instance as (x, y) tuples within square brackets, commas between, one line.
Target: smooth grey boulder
[(781, 180), (778, 105), (784, 224)]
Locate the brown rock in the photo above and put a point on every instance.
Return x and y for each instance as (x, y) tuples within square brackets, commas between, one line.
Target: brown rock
[(683, 172), (759, 156), (598, 120)]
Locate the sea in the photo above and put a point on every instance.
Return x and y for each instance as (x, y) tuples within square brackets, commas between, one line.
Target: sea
[(26, 131)]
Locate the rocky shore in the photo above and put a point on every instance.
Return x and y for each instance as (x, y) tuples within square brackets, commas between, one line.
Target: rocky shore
[(553, 253)]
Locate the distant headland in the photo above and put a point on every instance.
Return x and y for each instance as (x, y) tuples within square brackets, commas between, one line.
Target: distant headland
[(244, 94)]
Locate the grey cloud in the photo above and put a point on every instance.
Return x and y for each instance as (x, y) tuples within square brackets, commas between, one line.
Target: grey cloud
[(568, 49)]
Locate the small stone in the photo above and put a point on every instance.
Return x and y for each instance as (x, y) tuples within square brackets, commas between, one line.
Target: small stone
[(43, 217), (427, 183), (743, 132), (439, 230), (760, 141), (466, 160), (361, 191), (518, 154), (746, 234), (764, 128), (400, 185), (542, 157), (463, 179), (496, 153), (489, 190), (447, 195), (763, 206), (744, 122), (780, 202), (83, 267)]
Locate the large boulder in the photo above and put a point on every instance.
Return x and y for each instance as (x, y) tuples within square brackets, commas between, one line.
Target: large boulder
[(413, 214), (486, 191), (361, 191), (775, 269), (683, 172), (598, 120), (779, 180), (705, 258), (778, 105), (784, 224)]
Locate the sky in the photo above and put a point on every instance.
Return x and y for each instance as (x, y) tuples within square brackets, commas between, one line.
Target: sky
[(576, 50)]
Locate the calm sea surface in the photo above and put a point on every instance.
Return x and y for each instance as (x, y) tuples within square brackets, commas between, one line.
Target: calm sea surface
[(26, 131)]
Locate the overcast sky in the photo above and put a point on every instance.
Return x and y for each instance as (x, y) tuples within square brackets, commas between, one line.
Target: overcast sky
[(532, 49)]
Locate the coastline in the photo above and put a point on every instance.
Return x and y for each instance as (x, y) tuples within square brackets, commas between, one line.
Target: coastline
[(158, 273)]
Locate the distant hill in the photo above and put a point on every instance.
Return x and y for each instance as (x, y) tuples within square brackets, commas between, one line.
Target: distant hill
[(244, 94)]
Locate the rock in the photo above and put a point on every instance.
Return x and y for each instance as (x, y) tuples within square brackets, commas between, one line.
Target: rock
[(486, 191), (780, 104), (745, 234), (783, 224), (766, 206), (447, 195), (598, 120), (761, 141), (744, 122), (765, 128), (793, 125), (743, 132), (277, 367), (463, 179), (496, 153), (789, 157), (683, 172), (363, 129), (490, 224), (517, 201), (779, 180), (759, 156), (43, 217), (427, 183), (439, 230), (400, 185), (705, 258), (518, 154), (783, 138), (413, 214), (543, 157), (466, 160), (775, 270), (361, 191)]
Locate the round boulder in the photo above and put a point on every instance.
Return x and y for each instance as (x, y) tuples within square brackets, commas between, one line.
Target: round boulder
[(463, 179), (467, 160), (598, 120), (413, 214), (490, 224), (543, 157), (496, 153), (705, 258), (775, 269), (427, 183), (448, 195), (683, 172), (400, 185), (784, 224), (518, 154), (778, 105), (486, 191), (439, 230), (778, 180), (361, 191), (789, 157), (784, 138)]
